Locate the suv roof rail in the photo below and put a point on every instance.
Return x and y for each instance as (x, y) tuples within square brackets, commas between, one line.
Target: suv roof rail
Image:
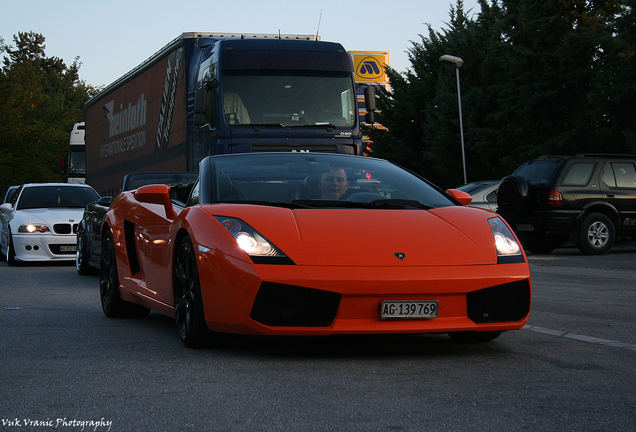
[(544, 157), (607, 155)]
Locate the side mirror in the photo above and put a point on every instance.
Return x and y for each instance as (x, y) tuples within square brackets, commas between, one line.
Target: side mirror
[(105, 201), (369, 103), (199, 100), (6, 207), (463, 197), (156, 194)]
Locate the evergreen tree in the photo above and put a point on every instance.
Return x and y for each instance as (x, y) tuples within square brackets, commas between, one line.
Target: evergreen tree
[(40, 99), (550, 77)]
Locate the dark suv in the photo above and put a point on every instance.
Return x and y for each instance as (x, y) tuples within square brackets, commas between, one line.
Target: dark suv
[(587, 199)]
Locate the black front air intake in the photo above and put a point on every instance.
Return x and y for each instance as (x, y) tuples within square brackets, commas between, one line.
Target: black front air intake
[(502, 303), (281, 305)]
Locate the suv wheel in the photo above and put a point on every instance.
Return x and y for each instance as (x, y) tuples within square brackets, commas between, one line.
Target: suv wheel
[(512, 198), (596, 234)]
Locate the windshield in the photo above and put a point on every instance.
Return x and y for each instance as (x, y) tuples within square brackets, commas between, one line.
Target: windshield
[(55, 196), (77, 162), (288, 98), (304, 180)]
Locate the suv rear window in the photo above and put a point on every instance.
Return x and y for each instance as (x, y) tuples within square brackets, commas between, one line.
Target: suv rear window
[(620, 175), (539, 172), (578, 174)]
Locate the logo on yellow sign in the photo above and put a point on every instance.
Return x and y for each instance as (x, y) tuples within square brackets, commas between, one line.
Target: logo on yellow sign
[(370, 67)]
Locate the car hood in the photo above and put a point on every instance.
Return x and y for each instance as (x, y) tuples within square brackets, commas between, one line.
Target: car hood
[(363, 237), (49, 217)]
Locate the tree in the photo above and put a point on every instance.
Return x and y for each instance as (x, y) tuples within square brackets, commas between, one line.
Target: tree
[(40, 99), (550, 77)]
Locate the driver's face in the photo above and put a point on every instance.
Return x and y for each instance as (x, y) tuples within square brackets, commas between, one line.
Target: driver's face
[(333, 184)]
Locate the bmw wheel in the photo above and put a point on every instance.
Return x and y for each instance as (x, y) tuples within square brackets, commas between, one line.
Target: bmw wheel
[(188, 304), (11, 252), (596, 234)]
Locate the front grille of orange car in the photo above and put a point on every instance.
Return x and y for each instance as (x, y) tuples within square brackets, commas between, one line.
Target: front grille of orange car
[(502, 303), (293, 306), (65, 228)]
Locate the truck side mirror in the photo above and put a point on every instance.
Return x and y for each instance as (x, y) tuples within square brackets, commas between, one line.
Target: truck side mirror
[(369, 102), (199, 100), (369, 98)]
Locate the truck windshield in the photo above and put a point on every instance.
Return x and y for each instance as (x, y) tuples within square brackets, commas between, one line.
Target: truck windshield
[(288, 98), (77, 162)]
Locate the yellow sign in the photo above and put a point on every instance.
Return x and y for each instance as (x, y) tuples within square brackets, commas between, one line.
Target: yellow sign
[(369, 66)]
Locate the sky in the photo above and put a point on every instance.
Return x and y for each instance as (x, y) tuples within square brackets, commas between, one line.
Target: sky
[(111, 37)]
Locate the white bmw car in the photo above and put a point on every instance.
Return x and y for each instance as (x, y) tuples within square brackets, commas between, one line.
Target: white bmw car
[(39, 223)]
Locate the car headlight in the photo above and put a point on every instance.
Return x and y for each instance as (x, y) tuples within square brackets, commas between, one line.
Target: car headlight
[(33, 228), (253, 243), (508, 249)]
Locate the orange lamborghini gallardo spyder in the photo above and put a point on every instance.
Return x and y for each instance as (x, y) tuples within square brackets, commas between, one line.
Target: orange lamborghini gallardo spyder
[(311, 244)]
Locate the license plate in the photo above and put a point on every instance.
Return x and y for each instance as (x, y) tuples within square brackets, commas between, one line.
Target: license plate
[(399, 309), (525, 227), (72, 248)]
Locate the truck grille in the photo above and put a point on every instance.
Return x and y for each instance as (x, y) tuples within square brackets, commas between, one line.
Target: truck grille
[(293, 306), (502, 303)]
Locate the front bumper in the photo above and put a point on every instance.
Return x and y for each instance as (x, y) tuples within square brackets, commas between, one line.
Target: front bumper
[(314, 300), (44, 247)]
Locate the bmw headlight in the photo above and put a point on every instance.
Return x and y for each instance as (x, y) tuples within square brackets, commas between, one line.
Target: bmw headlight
[(508, 249), (33, 228), (253, 243)]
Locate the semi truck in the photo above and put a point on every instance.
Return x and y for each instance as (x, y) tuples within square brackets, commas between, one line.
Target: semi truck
[(76, 155), (216, 93)]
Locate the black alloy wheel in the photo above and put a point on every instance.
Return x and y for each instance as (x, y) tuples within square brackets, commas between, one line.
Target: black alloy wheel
[(81, 256), (188, 304)]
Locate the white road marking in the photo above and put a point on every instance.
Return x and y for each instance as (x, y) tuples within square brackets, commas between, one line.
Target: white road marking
[(581, 337)]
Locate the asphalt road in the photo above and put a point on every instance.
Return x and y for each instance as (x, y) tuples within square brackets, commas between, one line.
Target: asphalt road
[(65, 366)]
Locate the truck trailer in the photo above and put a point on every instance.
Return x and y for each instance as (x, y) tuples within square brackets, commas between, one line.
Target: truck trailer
[(216, 93)]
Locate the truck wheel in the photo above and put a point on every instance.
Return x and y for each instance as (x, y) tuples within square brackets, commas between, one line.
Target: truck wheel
[(512, 198), (596, 234)]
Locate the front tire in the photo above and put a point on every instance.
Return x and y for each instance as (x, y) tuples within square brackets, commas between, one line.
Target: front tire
[(81, 256), (11, 252), (474, 337), (112, 304), (188, 303), (596, 234)]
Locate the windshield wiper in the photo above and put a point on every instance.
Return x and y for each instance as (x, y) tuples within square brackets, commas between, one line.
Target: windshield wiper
[(327, 126), (257, 126), (376, 204), (399, 204), (289, 205)]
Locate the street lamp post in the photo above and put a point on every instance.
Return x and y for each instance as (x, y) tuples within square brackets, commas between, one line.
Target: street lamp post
[(457, 63)]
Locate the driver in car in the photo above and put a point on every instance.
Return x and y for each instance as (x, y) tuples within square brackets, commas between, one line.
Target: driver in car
[(333, 184)]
